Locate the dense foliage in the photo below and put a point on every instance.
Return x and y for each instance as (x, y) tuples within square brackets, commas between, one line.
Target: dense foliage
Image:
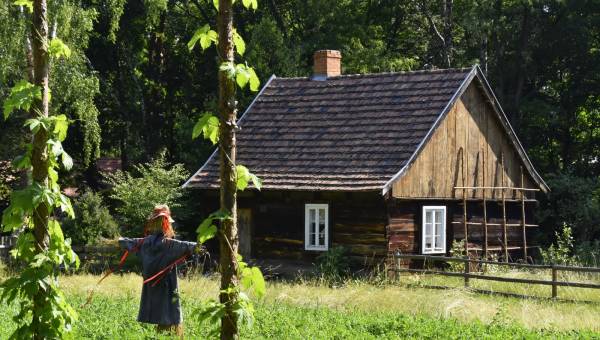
[(92, 221), (138, 191), (132, 69)]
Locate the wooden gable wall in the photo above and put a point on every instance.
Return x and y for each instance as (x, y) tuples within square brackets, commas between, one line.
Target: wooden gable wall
[(470, 125)]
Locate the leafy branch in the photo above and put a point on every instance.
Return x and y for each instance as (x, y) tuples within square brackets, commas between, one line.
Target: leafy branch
[(43, 309)]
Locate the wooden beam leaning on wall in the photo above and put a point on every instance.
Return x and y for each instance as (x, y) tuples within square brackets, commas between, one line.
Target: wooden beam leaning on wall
[(504, 232), (485, 226), (523, 222), (464, 190)]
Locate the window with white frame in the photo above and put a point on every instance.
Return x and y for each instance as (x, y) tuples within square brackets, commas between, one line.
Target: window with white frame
[(434, 230), (316, 226)]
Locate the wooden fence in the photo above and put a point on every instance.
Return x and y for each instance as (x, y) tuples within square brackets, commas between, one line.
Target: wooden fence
[(467, 274), (6, 244)]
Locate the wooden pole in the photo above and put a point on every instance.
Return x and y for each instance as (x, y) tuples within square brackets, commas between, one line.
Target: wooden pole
[(485, 226), (228, 236), (467, 271), (523, 226), (554, 280), (504, 234), (465, 225), (39, 154)]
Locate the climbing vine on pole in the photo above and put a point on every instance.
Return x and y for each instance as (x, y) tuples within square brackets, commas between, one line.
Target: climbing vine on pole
[(41, 247), (237, 278)]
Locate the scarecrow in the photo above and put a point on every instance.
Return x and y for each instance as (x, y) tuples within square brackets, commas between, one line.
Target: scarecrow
[(160, 253)]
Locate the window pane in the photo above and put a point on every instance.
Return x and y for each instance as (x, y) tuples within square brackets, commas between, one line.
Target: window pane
[(428, 242), (428, 229), (438, 242), (312, 226), (321, 227), (428, 216), (438, 216)]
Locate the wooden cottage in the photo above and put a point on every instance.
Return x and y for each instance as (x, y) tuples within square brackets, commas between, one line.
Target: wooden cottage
[(379, 163)]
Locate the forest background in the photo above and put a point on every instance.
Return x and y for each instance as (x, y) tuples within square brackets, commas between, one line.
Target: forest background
[(133, 90)]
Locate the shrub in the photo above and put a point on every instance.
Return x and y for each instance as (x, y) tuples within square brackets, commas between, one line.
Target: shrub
[(333, 265), (149, 184), (457, 250), (92, 222), (560, 252)]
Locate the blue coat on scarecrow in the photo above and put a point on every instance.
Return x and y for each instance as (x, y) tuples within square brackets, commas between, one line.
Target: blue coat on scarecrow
[(159, 254)]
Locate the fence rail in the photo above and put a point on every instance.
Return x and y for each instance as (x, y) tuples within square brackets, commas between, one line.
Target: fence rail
[(467, 275)]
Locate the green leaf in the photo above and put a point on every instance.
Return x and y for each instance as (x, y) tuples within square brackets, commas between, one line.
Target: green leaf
[(257, 182), (22, 162), (206, 230), (12, 218), (205, 35), (258, 282), (242, 176), (56, 147), (254, 81), (242, 76), (61, 125), (25, 3), (21, 97), (207, 39), (66, 206), (250, 4), (67, 161), (216, 4), (239, 43), (229, 68), (208, 127), (57, 48)]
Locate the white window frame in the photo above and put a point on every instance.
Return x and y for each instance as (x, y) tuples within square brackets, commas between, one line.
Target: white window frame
[(434, 249), (307, 244)]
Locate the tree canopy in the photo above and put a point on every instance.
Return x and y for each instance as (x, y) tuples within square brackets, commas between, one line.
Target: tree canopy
[(132, 73)]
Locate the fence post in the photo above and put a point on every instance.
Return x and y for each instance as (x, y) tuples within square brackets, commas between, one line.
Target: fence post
[(554, 280), (467, 271), (396, 270)]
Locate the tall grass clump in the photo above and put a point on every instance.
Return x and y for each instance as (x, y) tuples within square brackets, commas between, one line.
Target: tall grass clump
[(333, 266)]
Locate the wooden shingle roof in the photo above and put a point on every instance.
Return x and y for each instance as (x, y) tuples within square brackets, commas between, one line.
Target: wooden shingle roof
[(346, 133)]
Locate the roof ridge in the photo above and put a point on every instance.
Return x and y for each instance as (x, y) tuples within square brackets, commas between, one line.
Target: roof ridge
[(390, 73)]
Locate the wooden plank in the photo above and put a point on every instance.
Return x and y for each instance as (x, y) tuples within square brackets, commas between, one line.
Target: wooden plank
[(485, 226), (465, 222), (471, 125), (505, 237)]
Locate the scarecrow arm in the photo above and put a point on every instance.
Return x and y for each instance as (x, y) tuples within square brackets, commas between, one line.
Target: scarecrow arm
[(178, 248), (130, 244)]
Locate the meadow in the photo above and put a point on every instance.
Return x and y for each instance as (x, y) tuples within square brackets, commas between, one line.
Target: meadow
[(353, 310)]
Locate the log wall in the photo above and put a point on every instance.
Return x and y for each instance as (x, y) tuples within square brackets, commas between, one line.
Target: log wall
[(357, 221), (406, 217)]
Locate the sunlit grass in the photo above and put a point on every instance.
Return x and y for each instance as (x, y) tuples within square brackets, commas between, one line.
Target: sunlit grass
[(357, 309), (410, 295)]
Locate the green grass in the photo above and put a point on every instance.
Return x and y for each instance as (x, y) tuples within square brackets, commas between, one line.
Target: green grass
[(355, 311)]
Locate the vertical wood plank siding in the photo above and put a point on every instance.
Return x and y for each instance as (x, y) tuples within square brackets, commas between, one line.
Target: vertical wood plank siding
[(470, 127)]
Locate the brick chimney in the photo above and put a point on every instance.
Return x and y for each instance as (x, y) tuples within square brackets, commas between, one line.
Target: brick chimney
[(327, 63)]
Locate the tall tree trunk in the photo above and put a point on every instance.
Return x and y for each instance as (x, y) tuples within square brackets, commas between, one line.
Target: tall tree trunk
[(39, 155), (227, 114), (448, 25)]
